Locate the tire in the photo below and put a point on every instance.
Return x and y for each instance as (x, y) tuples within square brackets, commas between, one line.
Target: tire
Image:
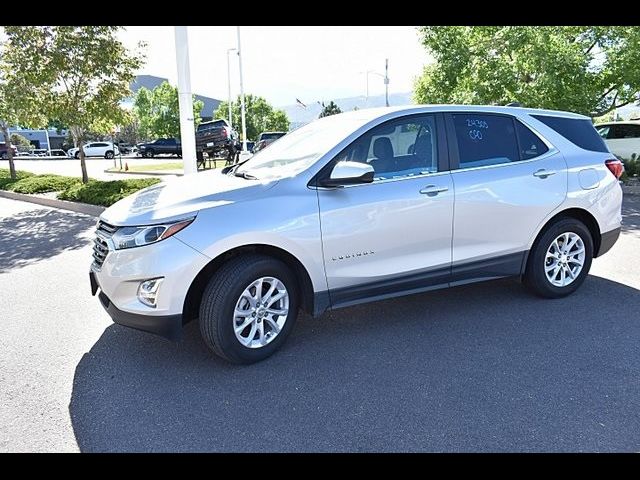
[(5, 156), (536, 278), (148, 154), (77, 155), (225, 291), (108, 155)]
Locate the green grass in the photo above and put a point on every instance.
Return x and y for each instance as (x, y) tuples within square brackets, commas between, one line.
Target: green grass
[(30, 183), (95, 192), (98, 192), (164, 166)]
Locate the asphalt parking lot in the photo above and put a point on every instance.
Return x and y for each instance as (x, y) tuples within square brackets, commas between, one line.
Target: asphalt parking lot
[(483, 367)]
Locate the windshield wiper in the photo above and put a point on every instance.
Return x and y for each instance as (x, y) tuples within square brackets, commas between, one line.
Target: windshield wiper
[(246, 175)]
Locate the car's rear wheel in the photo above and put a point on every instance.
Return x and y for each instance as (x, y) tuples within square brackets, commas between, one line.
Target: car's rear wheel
[(4, 156), (108, 155), (248, 308), (560, 259), (148, 154)]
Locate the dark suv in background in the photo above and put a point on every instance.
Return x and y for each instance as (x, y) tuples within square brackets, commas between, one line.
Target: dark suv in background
[(160, 146), (265, 139)]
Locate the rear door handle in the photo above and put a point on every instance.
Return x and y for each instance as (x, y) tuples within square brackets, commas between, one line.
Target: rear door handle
[(433, 190), (542, 173)]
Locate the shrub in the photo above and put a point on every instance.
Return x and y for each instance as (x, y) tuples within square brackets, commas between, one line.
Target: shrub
[(42, 184), (5, 177), (103, 193)]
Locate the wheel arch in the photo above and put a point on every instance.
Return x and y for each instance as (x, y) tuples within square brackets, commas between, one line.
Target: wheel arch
[(577, 213), (193, 298)]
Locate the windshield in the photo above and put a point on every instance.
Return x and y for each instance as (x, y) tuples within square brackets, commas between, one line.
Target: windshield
[(299, 149)]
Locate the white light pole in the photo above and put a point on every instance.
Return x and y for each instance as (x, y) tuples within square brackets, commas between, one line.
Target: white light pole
[(187, 131), (386, 81), (242, 115), (229, 50)]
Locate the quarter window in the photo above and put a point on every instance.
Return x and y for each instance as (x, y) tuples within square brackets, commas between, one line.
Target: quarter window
[(485, 140), (402, 148), (530, 144)]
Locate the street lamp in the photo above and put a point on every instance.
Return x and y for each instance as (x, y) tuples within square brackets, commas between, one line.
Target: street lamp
[(242, 114), (229, 50), (386, 80)]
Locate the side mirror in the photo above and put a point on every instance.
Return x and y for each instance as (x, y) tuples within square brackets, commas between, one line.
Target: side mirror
[(349, 173)]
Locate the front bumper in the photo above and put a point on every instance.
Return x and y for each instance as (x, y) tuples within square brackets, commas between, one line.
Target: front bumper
[(167, 326)]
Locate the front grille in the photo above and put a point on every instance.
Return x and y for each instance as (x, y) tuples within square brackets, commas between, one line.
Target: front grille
[(100, 247)]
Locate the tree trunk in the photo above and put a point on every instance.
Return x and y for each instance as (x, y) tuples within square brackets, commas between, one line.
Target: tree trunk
[(77, 138), (7, 141)]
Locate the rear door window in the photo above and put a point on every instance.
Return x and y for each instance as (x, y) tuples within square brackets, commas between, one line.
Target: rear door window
[(485, 139), (530, 144)]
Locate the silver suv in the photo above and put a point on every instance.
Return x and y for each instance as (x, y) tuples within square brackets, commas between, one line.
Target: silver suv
[(359, 207)]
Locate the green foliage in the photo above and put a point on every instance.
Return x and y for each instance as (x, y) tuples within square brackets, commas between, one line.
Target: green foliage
[(631, 166), (20, 141), (259, 115), (97, 192), (5, 178), (330, 109), (157, 111), (589, 70), (29, 183)]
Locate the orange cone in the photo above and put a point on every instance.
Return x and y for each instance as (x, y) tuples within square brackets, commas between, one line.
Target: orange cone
[(126, 167)]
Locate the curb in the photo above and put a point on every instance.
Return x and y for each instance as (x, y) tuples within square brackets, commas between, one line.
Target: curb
[(150, 173), (85, 208)]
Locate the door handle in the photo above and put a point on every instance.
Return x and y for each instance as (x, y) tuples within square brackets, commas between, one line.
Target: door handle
[(542, 173), (433, 190)]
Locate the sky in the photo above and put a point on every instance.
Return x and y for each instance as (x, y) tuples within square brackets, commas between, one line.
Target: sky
[(285, 63)]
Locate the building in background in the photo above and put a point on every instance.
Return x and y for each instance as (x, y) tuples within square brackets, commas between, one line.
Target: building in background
[(38, 138)]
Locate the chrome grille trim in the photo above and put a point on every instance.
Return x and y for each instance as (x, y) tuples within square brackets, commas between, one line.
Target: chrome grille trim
[(104, 232)]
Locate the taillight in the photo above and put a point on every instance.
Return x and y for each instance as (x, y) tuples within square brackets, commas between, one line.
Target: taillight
[(224, 132), (616, 167)]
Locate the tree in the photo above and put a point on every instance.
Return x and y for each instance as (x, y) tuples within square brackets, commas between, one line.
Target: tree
[(330, 109), (21, 87), (588, 70), (20, 141), (87, 71), (157, 111), (259, 115)]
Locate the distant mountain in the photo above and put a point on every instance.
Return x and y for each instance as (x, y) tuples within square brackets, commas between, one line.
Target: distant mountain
[(299, 115)]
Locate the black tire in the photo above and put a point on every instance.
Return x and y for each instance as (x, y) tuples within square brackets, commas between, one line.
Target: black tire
[(535, 277), (108, 155), (148, 154), (5, 156), (77, 155), (219, 301)]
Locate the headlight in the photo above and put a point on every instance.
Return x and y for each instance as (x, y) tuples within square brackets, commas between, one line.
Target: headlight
[(129, 237)]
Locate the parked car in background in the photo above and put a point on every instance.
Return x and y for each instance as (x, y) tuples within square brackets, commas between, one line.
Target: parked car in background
[(4, 155), (622, 138), (160, 146), (265, 139), (38, 152), (57, 152), (125, 148), (358, 207), (24, 154), (217, 139), (95, 149)]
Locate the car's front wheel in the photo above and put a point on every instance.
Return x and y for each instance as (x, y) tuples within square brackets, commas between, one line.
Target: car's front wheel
[(4, 156), (560, 260), (248, 308)]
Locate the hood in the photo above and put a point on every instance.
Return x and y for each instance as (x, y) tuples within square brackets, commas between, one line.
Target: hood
[(180, 197)]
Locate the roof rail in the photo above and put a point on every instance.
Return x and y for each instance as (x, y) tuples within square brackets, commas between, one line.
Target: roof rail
[(513, 104)]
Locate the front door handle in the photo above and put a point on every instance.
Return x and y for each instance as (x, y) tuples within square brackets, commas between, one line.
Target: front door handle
[(542, 173), (433, 190)]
